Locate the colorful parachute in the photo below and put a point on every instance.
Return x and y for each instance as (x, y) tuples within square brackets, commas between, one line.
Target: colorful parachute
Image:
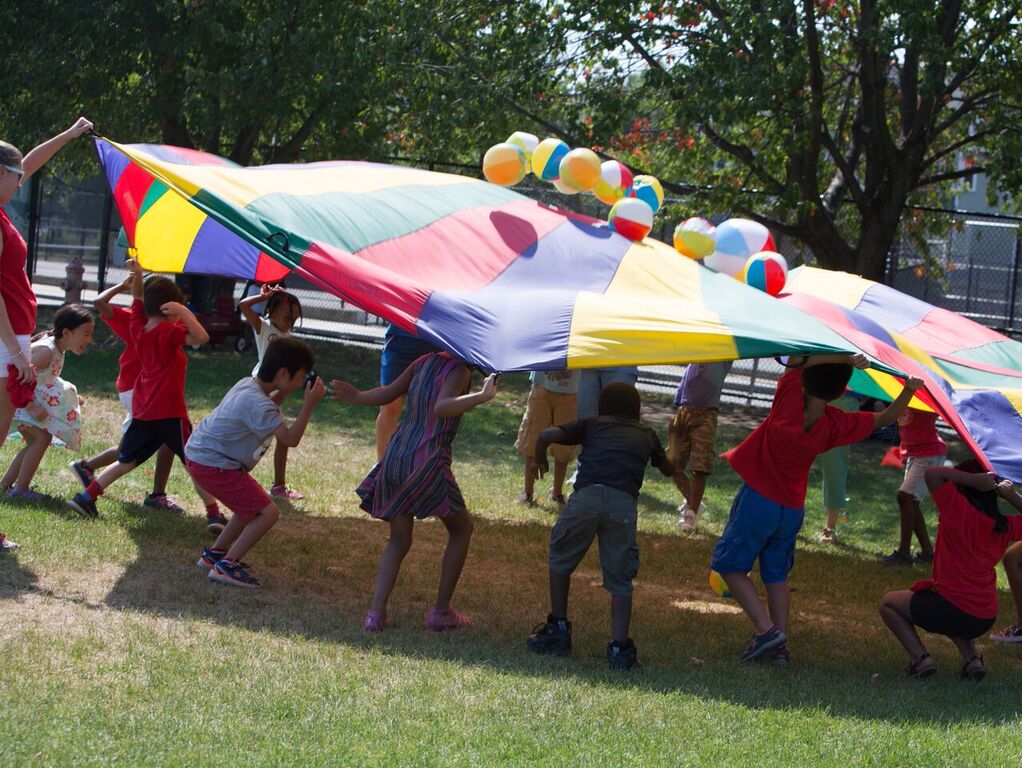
[(497, 278)]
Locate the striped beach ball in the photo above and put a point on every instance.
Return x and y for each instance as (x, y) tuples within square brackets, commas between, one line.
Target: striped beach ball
[(647, 189), (694, 238), (504, 164), (615, 179), (737, 240), (767, 271), (580, 169), (563, 188), (527, 143), (631, 217), (546, 159)]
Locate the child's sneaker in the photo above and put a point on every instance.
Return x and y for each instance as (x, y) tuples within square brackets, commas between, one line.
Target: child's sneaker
[(1011, 634), (924, 557), (285, 492), (525, 499), (161, 501), (897, 557), (27, 494), (375, 622), (827, 536), (233, 573), (777, 656), (557, 498), (215, 523), (84, 506), (688, 520), (622, 655), (552, 637), (440, 621), (6, 544), (210, 557), (760, 644), (83, 473)]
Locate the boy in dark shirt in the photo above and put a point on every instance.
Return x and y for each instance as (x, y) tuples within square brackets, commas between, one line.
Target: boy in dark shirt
[(615, 449)]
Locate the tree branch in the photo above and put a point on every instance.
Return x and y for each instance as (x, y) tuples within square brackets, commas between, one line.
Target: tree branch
[(745, 156), (950, 176), (845, 177)]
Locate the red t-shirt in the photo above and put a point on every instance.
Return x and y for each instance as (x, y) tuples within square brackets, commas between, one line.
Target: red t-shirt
[(919, 438), (160, 386), (130, 365), (775, 459), (966, 552), (15, 286)]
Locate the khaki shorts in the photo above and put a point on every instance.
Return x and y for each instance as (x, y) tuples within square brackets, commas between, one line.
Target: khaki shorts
[(609, 515), (546, 409), (914, 483), (690, 439)]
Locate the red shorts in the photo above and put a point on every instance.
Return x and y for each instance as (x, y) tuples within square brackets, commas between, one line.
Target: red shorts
[(236, 489)]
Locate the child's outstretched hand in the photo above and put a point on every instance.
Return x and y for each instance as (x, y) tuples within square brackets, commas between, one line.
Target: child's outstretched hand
[(314, 392), (489, 388), (343, 392), (860, 361)]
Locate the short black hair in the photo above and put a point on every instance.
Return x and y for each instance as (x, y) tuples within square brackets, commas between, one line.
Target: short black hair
[(827, 381), (620, 399), (285, 352), (158, 291)]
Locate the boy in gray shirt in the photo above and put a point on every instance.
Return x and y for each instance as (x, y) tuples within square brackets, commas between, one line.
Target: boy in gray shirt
[(227, 444)]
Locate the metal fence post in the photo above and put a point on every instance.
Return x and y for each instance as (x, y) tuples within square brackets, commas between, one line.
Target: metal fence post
[(1014, 280), (104, 241), (35, 203)]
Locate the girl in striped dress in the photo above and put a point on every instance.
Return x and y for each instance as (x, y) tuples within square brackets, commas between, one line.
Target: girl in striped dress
[(414, 479)]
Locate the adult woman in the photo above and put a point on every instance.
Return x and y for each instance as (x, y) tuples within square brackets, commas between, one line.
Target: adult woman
[(17, 302)]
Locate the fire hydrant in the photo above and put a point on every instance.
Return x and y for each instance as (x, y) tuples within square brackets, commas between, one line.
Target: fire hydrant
[(73, 282)]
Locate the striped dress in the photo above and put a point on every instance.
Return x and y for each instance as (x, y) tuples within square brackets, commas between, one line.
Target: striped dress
[(415, 476)]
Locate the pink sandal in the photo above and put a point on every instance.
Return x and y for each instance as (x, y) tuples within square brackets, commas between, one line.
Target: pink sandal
[(438, 621), (375, 622)]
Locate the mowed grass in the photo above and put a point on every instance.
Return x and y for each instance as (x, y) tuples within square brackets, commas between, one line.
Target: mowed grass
[(115, 649)]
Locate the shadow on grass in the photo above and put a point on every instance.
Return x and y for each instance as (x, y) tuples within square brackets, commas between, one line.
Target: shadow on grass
[(318, 574)]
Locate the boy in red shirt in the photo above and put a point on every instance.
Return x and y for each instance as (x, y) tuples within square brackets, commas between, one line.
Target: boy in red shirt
[(119, 321), (921, 448), (160, 327), (960, 601), (774, 464)]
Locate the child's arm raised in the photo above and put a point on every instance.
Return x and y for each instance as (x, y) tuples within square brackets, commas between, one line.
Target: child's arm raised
[(890, 414), (196, 333), (981, 481), (246, 304), (137, 282), (291, 436), (102, 302), (540, 465), (451, 404)]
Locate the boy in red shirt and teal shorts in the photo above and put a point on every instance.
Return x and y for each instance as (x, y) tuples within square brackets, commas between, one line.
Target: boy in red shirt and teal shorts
[(774, 463)]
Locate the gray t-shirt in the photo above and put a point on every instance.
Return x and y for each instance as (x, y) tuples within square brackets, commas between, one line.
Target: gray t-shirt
[(238, 431), (700, 386)]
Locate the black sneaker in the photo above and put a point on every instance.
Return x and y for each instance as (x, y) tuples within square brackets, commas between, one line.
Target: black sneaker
[(622, 655), (215, 523), (84, 506), (552, 637), (924, 557), (897, 557), (760, 644), (83, 473)]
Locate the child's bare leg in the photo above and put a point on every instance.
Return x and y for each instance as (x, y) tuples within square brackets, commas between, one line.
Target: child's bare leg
[(12, 471), (164, 463), (560, 585), (36, 443), (1013, 569), (919, 527), (908, 508), (560, 471), (280, 464), (530, 481), (112, 473), (894, 610), (208, 499), (832, 516), (620, 616), (459, 535), (386, 424), (250, 531), (104, 459), (398, 544), (744, 592), (681, 483), (779, 603), (697, 490)]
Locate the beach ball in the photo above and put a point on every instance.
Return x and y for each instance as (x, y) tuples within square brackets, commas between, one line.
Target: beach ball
[(647, 189), (580, 169), (504, 164), (631, 217), (767, 271), (718, 585), (695, 238), (737, 240), (563, 188), (527, 143), (615, 179), (546, 159)]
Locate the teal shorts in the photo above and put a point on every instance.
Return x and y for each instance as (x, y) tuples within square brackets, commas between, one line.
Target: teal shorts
[(604, 513)]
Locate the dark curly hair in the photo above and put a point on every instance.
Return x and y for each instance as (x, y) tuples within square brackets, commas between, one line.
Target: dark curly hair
[(620, 399)]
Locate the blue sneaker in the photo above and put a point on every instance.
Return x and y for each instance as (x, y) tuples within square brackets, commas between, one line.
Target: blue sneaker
[(210, 557), (233, 573), (84, 506), (760, 644)]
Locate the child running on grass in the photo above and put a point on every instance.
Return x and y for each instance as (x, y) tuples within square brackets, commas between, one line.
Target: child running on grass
[(160, 327), (280, 313), (227, 444), (414, 479), (774, 463), (552, 400), (119, 321), (615, 449), (55, 412), (921, 448), (960, 600)]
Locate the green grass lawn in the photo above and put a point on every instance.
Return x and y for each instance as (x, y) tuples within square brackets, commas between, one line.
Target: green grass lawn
[(115, 649)]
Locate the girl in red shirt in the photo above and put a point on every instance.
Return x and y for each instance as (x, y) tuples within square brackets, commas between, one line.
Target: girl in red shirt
[(960, 600)]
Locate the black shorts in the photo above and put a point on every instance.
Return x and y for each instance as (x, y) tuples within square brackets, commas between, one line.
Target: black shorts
[(144, 437), (936, 614)]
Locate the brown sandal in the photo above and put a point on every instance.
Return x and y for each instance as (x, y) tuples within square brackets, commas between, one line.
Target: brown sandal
[(916, 670), (976, 673)]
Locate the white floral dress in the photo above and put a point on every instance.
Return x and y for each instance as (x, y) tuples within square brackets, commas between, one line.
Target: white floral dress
[(58, 398)]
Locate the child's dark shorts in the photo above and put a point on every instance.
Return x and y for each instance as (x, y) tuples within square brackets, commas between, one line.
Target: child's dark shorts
[(758, 528), (935, 613), (609, 515), (144, 437)]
